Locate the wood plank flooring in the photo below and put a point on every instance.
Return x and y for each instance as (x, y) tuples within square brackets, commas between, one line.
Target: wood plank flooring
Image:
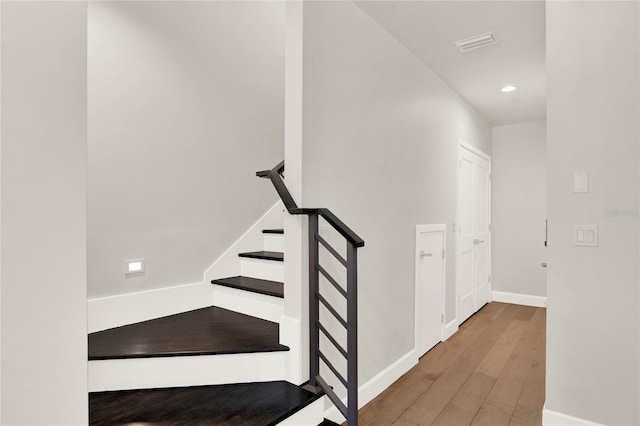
[(206, 331), (491, 372)]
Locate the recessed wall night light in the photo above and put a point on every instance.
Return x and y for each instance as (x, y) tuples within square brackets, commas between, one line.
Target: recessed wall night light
[(134, 267), (507, 89)]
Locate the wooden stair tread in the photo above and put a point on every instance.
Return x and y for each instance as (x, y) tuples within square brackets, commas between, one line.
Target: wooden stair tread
[(265, 255), (266, 403), (206, 331), (328, 422), (255, 285), (273, 231)]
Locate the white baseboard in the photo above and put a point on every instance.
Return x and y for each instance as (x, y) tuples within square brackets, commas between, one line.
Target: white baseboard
[(519, 299), (253, 304), (553, 418), (312, 414), (450, 329), (228, 264), (377, 384), (116, 311), (162, 372)]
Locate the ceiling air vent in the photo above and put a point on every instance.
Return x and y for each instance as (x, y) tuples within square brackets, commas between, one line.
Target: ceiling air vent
[(477, 41)]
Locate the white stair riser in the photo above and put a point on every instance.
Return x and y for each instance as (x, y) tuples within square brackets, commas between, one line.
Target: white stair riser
[(263, 269), (274, 242), (312, 414), (164, 372), (256, 305)]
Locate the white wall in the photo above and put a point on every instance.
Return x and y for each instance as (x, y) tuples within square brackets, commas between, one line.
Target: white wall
[(296, 281), (380, 143), (44, 125), (186, 103), (0, 210), (592, 293), (519, 208)]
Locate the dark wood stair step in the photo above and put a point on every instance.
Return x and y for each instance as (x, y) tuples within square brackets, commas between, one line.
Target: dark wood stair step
[(255, 285), (206, 331), (328, 422), (265, 255), (273, 231), (266, 403)]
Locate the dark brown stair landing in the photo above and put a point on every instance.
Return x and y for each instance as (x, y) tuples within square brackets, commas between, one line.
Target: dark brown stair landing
[(273, 231), (254, 285), (327, 422), (206, 331), (265, 255), (236, 404)]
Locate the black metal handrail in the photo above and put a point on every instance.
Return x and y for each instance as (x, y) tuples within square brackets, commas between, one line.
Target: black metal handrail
[(350, 353), (275, 175)]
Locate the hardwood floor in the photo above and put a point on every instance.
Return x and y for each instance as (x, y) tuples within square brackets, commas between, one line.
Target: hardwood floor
[(491, 372)]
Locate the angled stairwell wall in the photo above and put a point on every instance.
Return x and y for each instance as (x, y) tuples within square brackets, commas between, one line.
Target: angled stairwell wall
[(185, 103)]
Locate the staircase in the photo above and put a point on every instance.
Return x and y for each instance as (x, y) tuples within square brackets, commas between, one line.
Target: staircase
[(223, 364), (212, 366), (258, 290)]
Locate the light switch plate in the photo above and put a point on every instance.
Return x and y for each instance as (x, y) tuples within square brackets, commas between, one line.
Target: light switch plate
[(585, 235), (580, 182)]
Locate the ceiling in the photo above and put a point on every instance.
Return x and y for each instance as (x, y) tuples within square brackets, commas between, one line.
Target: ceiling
[(430, 28)]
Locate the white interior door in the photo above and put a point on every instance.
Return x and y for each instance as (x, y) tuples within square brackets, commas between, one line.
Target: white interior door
[(430, 281), (466, 235), (473, 277)]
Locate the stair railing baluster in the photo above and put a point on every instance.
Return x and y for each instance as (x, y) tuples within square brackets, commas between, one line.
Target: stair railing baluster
[(352, 334), (314, 303), (316, 382)]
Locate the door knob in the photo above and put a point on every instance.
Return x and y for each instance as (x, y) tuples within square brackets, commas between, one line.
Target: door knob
[(543, 264), (425, 254), (478, 241)]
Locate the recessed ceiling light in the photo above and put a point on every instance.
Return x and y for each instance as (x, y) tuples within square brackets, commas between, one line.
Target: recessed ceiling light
[(507, 89)]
